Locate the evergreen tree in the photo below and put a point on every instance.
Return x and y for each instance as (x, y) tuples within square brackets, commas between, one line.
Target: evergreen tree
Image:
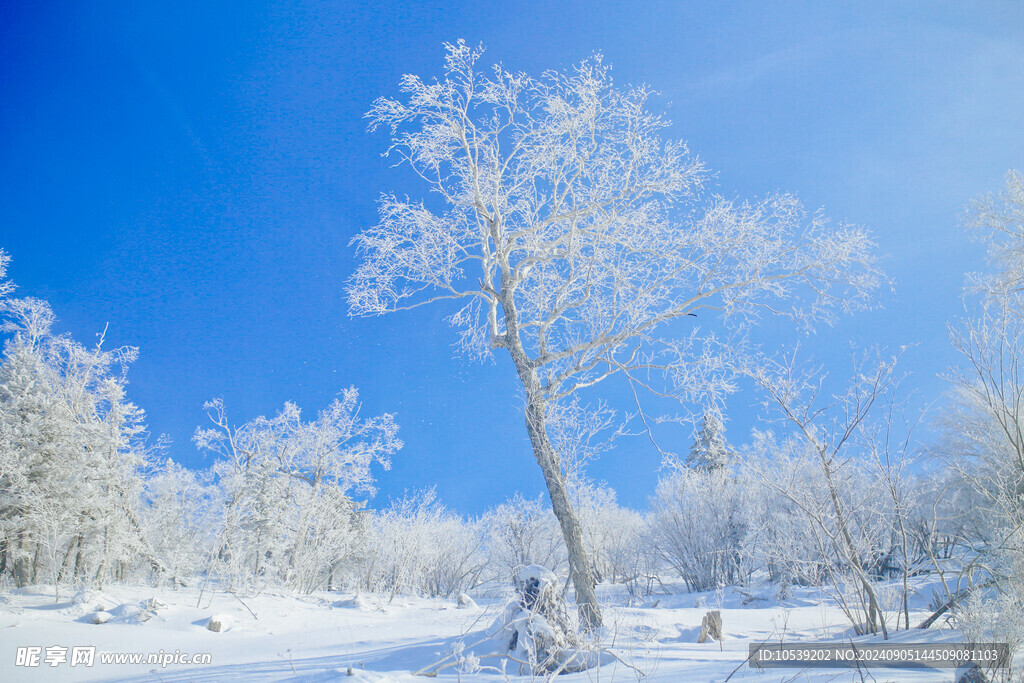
[(710, 450)]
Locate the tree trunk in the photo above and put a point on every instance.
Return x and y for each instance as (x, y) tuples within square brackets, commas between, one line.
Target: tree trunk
[(21, 571), (36, 561), (79, 560), (66, 560), (875, 615), (550, 464)]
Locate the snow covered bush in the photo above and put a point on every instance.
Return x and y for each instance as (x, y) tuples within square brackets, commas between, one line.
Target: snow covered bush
[(700, 525), (997, 617), (180, 519), (522, 532), (612, 535), (417, 546), (947, 512), (535, 628), (858, 442), (286, 510), (832, 525), (782, 540)]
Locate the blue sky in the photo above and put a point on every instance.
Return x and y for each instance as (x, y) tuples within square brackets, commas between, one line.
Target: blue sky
[(192, 173)]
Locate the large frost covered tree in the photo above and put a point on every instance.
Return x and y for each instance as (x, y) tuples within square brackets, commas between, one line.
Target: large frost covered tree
[(572, 234)]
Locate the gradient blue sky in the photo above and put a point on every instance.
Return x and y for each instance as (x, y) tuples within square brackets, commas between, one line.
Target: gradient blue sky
[(192, 173)]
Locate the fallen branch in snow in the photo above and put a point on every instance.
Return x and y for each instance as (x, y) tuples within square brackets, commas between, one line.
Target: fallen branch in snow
[(747, 659), (749, 598), (244, 605), (642, 674), (434, 669), (952, 602)]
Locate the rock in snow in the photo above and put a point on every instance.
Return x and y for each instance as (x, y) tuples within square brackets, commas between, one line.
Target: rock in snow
[(218, 623)]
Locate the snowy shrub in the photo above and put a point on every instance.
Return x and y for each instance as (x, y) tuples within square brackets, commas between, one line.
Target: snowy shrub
[(786, 547), (995, 618), (520, 533), (946, 511), (611, 534), (180, 519), (417, 546), (536, 629), (783, 543), (830, 523), (700, 524)]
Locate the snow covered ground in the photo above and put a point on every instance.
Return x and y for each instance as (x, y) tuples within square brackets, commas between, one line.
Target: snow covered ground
[(327, 636)]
